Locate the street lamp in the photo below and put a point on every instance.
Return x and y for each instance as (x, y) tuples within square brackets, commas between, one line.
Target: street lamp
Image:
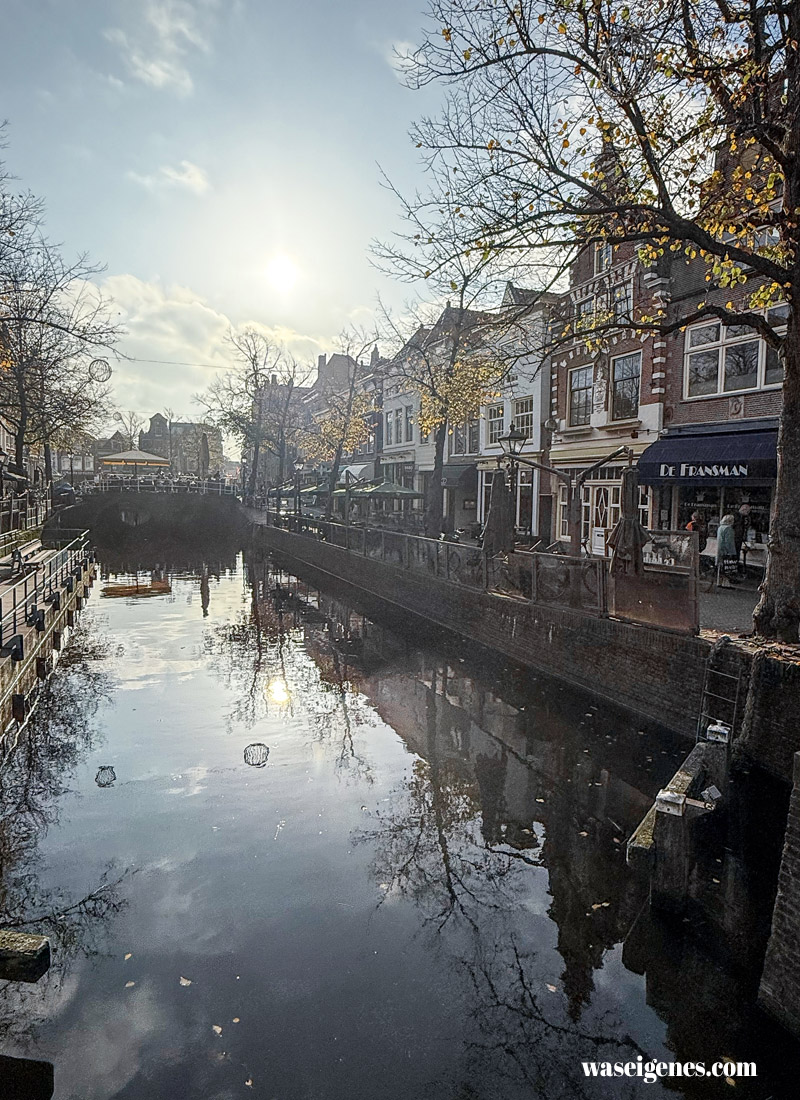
[(512, 444), (299, 466)]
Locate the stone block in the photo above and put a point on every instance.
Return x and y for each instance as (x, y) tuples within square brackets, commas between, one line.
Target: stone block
[(24, 957), (26, 1079)]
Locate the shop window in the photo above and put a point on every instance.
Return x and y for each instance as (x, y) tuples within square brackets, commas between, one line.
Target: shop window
[(496, 419), (731, 358), (523, 416), (625, 374), (580, 396)]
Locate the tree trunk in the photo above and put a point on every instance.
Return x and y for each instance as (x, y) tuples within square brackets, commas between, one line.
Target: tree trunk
[(434, 505), (334, 475), (48, 464), (252, 480), (778, 611), (19, 444)]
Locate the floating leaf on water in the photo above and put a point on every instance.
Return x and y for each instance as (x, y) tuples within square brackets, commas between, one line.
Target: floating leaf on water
[(383, 886), (540, 800), (185, 981), (128, 956), (236, 1019), (255, 755), (583, 832), (129, 985), (597, 905), (106, 776), (216, 1029), (730, 1081), (249, 1082), (552, 988)]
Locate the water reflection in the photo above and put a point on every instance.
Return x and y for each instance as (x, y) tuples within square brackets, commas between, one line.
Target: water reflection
[(35, 774), (398, 867)]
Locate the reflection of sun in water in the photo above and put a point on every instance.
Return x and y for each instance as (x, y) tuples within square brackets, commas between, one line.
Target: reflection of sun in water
[(282, 273), (277, 691)]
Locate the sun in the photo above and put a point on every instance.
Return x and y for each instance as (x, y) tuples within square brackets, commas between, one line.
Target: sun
[(282, 273)]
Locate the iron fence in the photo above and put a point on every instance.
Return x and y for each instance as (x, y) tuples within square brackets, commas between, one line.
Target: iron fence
[(21, 602), (669, 577)]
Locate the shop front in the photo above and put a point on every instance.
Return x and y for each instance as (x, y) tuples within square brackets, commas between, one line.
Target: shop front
[(460, 482), (713, 469), (526, 494)]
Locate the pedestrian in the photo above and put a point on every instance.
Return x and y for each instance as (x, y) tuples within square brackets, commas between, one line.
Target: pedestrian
[(697, 523), (727, 558)]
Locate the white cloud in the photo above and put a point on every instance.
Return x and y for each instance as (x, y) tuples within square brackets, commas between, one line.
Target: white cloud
[(160, 43), (187, 338), (399, 56), (186, 175)]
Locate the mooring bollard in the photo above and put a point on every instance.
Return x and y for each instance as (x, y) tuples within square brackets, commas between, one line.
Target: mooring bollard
[(24, 957)]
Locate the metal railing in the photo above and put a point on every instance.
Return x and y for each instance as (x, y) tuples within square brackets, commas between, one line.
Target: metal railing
[(21, 602), (204, 488), (557, 580)]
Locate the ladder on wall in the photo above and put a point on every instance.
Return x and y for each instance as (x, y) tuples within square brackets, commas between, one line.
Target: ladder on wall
[(719, 702)]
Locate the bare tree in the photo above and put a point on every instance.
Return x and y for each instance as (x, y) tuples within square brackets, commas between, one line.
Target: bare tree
[(54, 324), (343, 417), (130, 424), (236, 401)]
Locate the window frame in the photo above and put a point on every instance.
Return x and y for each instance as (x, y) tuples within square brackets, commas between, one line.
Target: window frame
[(388, 440), (409, 423), (603, 256), (493, 436), (524, 421), (722, 342), (571, 390), (626, 286), (617, 359)]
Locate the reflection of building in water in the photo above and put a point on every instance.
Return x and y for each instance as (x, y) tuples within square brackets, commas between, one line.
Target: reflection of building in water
[(138, 588)]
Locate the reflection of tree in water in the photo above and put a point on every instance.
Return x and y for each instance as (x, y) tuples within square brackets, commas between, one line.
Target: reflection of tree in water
[(34, 774), (278, 657), (443, 844)]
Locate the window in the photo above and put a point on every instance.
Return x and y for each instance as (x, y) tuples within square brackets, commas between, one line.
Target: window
[(625, 373), (603, 257), (523, 416), (464, 438), (580, 396), (496, 423), (389, 425), (622, 303), (473, 437), (409, 424), (398, 425), (731, 358), (584, 311)]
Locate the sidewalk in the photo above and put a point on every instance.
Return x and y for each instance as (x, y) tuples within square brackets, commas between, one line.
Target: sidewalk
[(727, 610)]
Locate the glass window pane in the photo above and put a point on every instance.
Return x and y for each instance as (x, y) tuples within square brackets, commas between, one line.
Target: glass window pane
[(625, 381), (708, 334), (773, 373), (741, 366), (703, 371), (778, 315), (734, 331)]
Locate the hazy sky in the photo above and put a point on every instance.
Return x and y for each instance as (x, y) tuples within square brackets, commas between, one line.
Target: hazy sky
[(220, 157)]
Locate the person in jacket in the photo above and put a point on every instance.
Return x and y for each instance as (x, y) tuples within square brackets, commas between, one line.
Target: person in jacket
[(727, 558), (697, 523)]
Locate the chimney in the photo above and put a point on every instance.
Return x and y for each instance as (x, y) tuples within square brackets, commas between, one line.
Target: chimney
[(274, 380), (321, 361)]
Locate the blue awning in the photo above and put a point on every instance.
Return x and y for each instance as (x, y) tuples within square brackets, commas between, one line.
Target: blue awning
[(719, 458)]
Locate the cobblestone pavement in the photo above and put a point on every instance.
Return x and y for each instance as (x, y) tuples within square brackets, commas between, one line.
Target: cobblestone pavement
[(727, 610)]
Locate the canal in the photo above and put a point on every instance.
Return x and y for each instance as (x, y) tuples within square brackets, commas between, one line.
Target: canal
[(286, 848)]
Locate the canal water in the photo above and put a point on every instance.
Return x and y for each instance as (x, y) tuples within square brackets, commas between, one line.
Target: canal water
[(285, 850)]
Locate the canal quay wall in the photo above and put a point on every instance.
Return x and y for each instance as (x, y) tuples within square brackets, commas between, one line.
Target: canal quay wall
[(29, 653), (653, 672), (779, 991)]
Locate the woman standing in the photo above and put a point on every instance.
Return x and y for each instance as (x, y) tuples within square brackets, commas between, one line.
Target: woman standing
[(727, 558)]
